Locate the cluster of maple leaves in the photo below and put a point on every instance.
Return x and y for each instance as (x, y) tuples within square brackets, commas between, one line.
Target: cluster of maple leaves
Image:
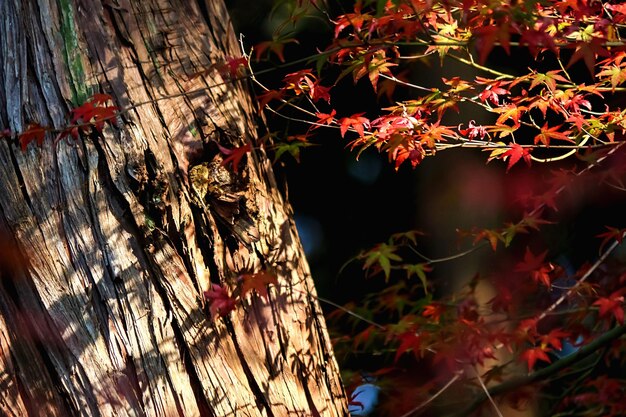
[(372, 42), (562, 103), (93, 114)]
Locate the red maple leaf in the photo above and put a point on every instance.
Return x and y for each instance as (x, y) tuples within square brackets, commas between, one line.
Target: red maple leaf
[(414, 155), (356, 122), (493, 93), (319, 92), (473, 130), (220, 302), (408, 341), (588, 52), (257, 282), (612, 305), (232, 66), (554, 338), (503, 301), (534, 354), (268, 96), (548, 133), (510, 111), (487, 37), (94, 114), (325, 119), (363, 337), (35, 132), (277, 46), (434, 311), (537, 268), (537, 40), (612, 234), (515, 153), (100, 98), (233, 156)]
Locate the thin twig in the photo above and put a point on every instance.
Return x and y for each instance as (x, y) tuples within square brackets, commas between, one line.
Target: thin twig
[(350, 312), (582, 279), (434, 396), (486, 391)]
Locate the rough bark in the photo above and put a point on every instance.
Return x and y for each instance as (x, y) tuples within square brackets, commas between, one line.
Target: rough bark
[(106, 256)]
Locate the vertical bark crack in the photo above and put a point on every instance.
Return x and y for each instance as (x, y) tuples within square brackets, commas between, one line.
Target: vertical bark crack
[(252, 382)]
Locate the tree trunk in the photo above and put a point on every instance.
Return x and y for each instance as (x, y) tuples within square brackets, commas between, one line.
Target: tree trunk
[(107, 248)]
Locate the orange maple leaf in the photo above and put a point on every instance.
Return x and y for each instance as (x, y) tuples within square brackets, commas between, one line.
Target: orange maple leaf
[(257, 282)]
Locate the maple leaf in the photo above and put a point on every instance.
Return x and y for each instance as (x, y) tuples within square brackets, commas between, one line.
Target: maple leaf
[(612, 234), (577, 120), (434, 133), (319, 92), (100, 98), (382, 255), (433, 311), (220, 301), (491, 236), (363, 337), (378, 65), (356, 20), (34, 132), (473, 131), (326, 119), (92, 112), (408, 341), (554, 338), (405, 237), (299, 81), (588, 52), (257, 282), (501, 131), (515, 153), (487, 37), (616, 75), (536, 40), (612, 305), (356, 122), (233, 156), (232, 66), (549, 79), (268, 96), (548, 133), (503, 301), (510, 111), (617, 8), (535, 266), (527, 329), (276, 46), (414, 155), (493, 93), (531, 356), (419, 270)]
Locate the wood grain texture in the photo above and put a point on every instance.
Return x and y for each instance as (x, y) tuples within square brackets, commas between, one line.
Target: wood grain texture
[(105, 317)]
